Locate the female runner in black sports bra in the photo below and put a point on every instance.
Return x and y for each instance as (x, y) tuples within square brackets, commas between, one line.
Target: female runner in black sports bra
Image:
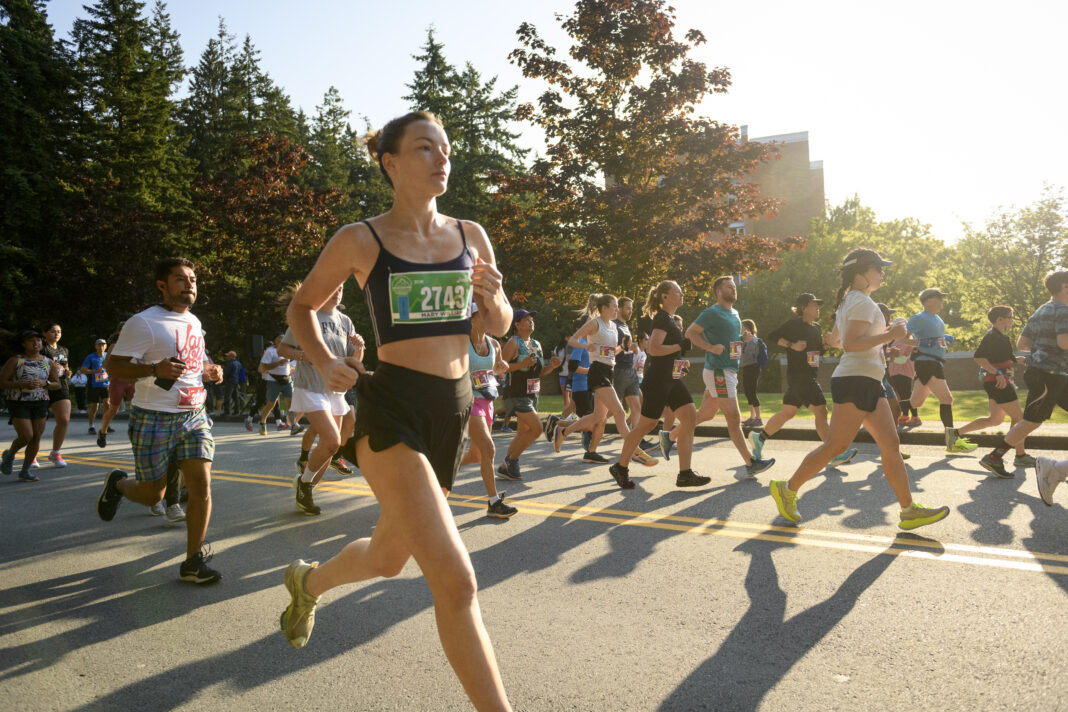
[(419, 270)]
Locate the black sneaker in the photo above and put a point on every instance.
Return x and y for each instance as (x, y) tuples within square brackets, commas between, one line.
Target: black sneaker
[(196, 569), (689, 478), (996, 466), (648, 445), (92, 430), (102, 440), (500, 510), (111, 429), (550, 426), (305, 503), (622, 476), (110, 497), (509, 470), (595, 458)]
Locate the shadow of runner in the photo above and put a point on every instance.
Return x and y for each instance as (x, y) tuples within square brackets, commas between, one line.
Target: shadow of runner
[(760, 650)]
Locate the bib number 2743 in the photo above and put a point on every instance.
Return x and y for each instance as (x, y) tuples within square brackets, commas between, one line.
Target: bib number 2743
[(427, 297)]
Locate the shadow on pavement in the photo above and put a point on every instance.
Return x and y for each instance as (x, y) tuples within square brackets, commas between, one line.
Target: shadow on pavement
[(763, 647)]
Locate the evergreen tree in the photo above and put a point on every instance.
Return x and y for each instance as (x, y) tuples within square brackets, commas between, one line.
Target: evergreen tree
[(37, 109), (134, 179), (476, 119)]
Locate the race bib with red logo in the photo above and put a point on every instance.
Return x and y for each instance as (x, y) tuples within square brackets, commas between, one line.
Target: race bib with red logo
[(813, 358), (679, 368), (483, 379), (736, 349), (192, 397), (533, 386)]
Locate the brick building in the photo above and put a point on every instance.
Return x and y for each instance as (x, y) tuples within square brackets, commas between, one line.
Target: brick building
[(795, 179)]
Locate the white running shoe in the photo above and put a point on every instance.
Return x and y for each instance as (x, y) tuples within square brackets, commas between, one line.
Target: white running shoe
[(1048, 479), (174, 514), (157, 509), (57, 460)]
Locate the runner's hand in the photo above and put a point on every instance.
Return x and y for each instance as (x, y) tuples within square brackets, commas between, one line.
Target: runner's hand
[(341, 373), (717, 349), (486, 281), (897, 331), (170, 370), (213, 373), (799, 345), (554, 362), (1001, 382)]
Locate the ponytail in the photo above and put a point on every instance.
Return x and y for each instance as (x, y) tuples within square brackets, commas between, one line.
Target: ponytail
[(656, 296)]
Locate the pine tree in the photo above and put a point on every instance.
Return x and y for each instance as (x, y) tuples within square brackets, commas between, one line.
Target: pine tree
[(476, 119), (37, 109), (134, 180)]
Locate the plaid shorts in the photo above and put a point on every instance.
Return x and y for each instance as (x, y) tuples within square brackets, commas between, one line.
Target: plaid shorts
[(159, 438)]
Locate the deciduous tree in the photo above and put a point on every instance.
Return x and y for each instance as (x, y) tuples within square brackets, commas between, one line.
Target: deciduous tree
[(635, 186)]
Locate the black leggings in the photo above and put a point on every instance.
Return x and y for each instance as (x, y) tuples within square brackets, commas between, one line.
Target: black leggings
[(903, 386), (750, 377)]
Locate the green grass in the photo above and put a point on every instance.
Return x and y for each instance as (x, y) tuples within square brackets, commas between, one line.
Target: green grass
[(967, 406)]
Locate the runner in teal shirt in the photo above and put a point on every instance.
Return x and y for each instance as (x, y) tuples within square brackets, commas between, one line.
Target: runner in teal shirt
[(718, 331), (721, 325)]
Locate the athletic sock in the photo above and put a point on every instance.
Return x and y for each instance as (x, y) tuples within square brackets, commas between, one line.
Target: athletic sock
[(494, 499), (915, 413), (945, 412), (904, 405), (764, 436), (1000, 450), (303, 454)]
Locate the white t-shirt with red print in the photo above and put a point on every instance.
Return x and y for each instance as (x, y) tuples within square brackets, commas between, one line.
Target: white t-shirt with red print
[(157, 334)]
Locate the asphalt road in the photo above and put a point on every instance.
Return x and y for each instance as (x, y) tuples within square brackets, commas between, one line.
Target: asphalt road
[(596, 599)]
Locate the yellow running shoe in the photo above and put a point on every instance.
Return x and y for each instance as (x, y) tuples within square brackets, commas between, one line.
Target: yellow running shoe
[(299, 617), (785, 500), (961, 445), (918, 516)]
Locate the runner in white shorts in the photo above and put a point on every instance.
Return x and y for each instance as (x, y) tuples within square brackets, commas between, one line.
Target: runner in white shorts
[(323, 408)]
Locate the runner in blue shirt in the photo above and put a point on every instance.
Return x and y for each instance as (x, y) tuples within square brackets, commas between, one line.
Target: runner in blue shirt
[(1046, 338), (929, 332), (718, 330)]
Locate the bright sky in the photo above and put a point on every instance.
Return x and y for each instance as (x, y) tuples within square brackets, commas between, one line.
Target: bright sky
[(941, 110)]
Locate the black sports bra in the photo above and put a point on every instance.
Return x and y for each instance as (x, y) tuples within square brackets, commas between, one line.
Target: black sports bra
[(412, 300)]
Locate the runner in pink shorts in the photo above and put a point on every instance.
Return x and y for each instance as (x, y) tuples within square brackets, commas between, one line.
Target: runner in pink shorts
[(484, 363)]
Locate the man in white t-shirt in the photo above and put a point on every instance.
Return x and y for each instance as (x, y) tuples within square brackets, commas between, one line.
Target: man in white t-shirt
[(161, 349), (276, 371)]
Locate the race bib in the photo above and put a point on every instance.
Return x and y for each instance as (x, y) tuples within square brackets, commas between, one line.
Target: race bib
[(429, 297), (483, 379), (679, 368), (607, 351), (813, 358), (736, 349), (533, 386), (942, 341), (192, 397)]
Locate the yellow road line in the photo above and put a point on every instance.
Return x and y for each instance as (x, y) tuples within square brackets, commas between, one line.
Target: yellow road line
[(797, 536)]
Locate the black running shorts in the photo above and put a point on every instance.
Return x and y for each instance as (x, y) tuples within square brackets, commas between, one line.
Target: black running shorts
[(926, 370), (804, 394), (861, 391), (427, 413)]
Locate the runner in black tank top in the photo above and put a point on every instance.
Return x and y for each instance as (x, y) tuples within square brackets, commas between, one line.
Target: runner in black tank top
[(527, 366), (421, 271)]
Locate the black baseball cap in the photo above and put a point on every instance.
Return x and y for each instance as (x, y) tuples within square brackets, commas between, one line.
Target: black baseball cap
[(29, 334), (806, 298)]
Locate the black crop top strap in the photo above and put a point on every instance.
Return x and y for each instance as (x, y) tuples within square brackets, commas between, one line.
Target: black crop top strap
[(375, 234), (412, 300)]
